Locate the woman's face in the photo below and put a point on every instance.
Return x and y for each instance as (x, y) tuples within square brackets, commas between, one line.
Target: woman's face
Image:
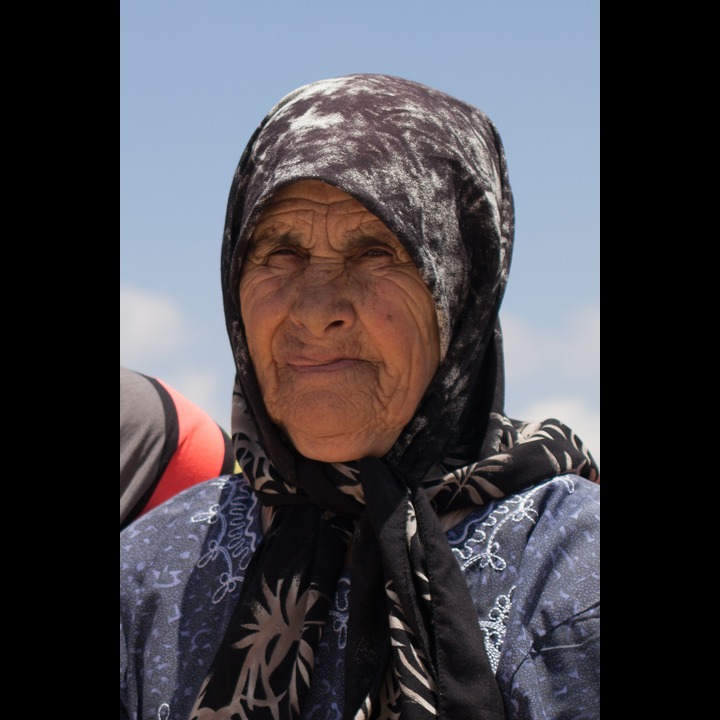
[(342, 331)]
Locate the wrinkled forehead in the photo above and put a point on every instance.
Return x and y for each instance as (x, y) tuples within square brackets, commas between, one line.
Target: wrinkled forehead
[(305, 207), (310, 199)]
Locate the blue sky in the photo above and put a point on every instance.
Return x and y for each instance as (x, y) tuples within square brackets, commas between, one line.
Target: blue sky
[(197, 77)]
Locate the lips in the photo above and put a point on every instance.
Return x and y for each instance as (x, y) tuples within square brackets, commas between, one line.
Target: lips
[(319, 365)]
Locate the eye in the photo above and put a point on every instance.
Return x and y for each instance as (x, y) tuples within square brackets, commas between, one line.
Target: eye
[(285, 256), (375, 257), (284, 251), (377, 252)]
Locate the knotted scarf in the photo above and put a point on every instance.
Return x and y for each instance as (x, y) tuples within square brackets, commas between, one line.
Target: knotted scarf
[(434, 170)]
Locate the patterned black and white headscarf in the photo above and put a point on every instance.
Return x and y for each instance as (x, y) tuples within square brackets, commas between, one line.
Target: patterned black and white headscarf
[(433, 169)]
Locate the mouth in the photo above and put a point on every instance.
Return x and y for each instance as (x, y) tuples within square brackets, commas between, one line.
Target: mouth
[(308, 366)]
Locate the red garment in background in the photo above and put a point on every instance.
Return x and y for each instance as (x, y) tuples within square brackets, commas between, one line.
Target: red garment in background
[(167, 444)]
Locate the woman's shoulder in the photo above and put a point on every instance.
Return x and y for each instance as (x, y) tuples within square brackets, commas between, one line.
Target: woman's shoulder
[(549, 662), (545, 506), (215, 496), (216, 517), (505, 550), (182, 566)]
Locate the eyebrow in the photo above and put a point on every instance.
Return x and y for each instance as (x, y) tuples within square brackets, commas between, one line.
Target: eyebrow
[(354, 239), (360, 238), (264, 238)]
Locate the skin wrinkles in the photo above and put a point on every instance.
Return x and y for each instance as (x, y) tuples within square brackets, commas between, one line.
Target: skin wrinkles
[(341, 329)]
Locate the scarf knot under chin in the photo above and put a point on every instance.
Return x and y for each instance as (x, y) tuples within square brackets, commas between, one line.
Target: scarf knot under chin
[(414, 643)]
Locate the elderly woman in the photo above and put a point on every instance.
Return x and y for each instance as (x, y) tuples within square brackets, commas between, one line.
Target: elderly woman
[(395, 546)]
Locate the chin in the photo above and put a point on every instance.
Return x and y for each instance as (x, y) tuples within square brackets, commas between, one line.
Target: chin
[(334, 450)]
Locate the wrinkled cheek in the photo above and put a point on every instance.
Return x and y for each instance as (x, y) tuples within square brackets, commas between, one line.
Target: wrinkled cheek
[(259, 330), (277, 403), (264, 302), (407, 376)]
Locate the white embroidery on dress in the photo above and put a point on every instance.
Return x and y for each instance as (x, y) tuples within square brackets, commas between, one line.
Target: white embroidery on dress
[(233, 542), (495, 628), (163, 712), (481, 547), (339, 617)]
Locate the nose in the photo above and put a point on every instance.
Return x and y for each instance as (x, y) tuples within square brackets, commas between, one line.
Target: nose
[(323, 303)]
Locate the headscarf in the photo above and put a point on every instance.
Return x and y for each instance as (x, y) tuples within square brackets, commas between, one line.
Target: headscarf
[(433, 169)]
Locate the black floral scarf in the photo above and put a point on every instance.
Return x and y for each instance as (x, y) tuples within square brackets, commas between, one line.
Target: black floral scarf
[(433, 169)]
